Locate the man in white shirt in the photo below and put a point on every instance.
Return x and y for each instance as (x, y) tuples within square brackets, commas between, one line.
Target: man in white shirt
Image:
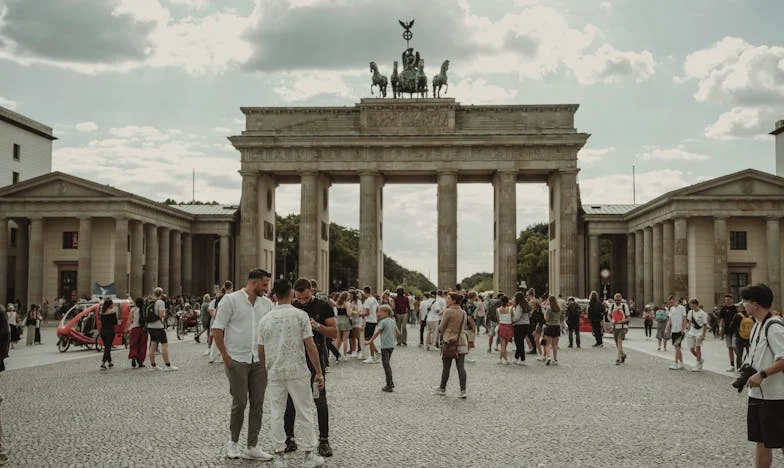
[(281, 335), (676, 324), (157, 333), (369, 307), (424, 306), (697, 323), (235, 334), (436, 310)]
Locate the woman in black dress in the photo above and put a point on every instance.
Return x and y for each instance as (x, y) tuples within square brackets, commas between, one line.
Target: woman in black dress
[(108, 322)]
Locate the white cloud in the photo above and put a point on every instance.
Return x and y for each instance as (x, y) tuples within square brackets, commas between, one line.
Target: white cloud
[(609, 66), (479, 91), (587, 157), (8, 103), (197, 4), (676, 153), (607, 6), (743, 122), (86, 127), (649, 185), (222, 129), (302, 86), (143, 133)]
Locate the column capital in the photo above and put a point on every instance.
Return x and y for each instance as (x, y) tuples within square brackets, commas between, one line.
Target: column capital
[(773, 218), (248, 173), (721, 217), (368, 173), (568, 171), (447, 172)]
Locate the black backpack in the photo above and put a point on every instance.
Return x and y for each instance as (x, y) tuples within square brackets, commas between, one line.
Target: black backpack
[(149, 313)]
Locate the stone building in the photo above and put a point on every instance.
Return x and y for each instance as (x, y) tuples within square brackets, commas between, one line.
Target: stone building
[(700, 241), (25, 147)]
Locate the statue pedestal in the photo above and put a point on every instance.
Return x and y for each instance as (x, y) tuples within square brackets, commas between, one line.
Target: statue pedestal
[(407, 115)]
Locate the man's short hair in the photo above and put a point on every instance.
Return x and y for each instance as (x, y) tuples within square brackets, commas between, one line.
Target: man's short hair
[(281, 288), (302, 284), (228, 284), (672, 297), (399, 291), (694, 301), (255, 274), (158, 292), (427, 295), (728, 295), (313, 284), (759, 293), (366, 289)]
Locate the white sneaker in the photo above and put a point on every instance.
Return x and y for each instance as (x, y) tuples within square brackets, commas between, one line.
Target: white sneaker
[(233, 450), (170, 368), (554, 363), (280, 462), (730, 369), (469, 360), (674, 366), (354, 355), (462, 395), (206, 353), (540, 358), (255, 453), (313, 460), (369, 360), (696, 368), (439, 391), (680, 366), (505, 362)]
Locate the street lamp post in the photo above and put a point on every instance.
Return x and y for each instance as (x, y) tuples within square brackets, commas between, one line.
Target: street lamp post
[(284, 250)]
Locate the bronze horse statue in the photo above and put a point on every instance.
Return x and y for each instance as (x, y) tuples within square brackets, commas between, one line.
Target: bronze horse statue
[(441, 80), (421, 80), (378, 80), (395, 82)]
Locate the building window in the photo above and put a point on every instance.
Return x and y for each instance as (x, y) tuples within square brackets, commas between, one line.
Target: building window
[(738, 281), (17, 152), (324, 231), (71, 240), (14, 177), (737, 240), (13, 237), (269, 231)]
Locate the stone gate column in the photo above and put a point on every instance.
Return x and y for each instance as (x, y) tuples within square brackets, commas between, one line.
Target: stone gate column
[(680, 277), (84, 283), (371, 261), (447, 229), (773, 236), (175, 265), (639, 267), (163, 260), (505, 230), (593, 263), (137, 269), (563, 210), (720, 268), (249, 220), (667, 259), (21, 265), (223, 253), (647, 260), (121, 256), (35, 272), (187, 264), (658, 278), (631, 276), (314, 229), (3, 261), (150, 279)]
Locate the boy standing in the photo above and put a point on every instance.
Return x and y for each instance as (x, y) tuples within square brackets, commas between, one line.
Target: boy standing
[(676, 323), (387, 329), (697, 323)]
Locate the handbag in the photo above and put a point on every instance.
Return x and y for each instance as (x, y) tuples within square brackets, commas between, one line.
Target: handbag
[(452, 350)]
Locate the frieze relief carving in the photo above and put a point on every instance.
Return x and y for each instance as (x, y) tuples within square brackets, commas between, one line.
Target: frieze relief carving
[(422, 119)]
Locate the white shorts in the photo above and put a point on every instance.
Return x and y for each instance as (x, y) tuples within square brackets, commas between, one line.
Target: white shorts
[(693, 341)]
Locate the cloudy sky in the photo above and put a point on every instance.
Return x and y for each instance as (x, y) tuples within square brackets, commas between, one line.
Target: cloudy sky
[(141, 92)]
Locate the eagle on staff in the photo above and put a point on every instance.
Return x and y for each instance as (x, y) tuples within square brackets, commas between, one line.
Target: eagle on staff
[(406, 26)]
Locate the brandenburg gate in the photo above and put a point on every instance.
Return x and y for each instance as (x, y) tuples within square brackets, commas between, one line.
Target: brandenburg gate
[(388, 141)]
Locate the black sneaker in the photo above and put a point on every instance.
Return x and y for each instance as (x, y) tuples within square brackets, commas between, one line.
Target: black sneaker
[(617, 362), (196, 337), (387, 389), (324, 449), (623, 358), (291, 446), (141, 365), (133, 363)]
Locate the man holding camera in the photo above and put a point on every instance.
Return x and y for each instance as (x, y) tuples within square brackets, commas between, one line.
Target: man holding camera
[(763, 368)]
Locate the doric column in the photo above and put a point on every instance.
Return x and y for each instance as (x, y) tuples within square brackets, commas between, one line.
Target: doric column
[(3, 260), (314, 228), (668, 262), (773, 235), (617, 266), (137, 258), (150, 280), (680, 277), (175, 263), (84, 283), (567, 235), (447, 229), (505, 228), (593, 263), (266, 228), (371, 262), (121, 256), (164, 250), (631, 276), (223, 273), (21, 265), (658, 278), (187, 264), (639, 267), (211, 267), (720, 270), (35, 272), (249, 219)]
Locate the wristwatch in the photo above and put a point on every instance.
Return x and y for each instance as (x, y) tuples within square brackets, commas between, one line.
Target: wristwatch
[(764, 374)]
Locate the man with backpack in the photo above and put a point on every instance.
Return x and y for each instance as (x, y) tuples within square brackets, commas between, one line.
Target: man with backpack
[(743, 323), (726, 315), (695, 335), (765, 415), (155, 313), (401, 316), (492, 318)]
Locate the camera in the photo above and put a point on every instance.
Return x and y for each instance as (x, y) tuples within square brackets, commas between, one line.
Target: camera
[(744, 374)]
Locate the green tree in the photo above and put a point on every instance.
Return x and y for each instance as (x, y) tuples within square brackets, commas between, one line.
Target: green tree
[(475, 279), (532, 257)]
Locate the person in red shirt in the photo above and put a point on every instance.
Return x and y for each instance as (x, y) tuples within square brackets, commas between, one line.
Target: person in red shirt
[(402, 306)]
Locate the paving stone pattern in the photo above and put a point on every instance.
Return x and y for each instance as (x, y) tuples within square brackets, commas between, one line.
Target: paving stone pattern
[(586, 412)]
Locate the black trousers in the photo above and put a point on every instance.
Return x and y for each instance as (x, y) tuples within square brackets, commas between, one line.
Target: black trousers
[(107, 335), (461, 373), (597, 331), (386, 355), (574, 328), (422, 327), (520, 332), (648, 328), (322, 412)]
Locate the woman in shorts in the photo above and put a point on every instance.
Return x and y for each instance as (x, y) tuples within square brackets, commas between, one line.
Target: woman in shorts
[(354, 309), (505, 330), (537, 323), (661, 317), (344, 322), (553, 332)]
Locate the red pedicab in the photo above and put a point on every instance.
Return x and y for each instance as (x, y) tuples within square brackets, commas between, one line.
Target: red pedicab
[(81, 326)]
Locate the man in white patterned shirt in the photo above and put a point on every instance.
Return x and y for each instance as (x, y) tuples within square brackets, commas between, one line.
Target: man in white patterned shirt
[(281, 335)]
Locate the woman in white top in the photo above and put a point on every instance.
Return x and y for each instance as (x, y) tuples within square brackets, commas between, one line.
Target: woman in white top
[(505, 330), (354, 309)]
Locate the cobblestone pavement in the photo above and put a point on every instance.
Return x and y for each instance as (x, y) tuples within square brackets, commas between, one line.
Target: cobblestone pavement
[(585, 412)]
